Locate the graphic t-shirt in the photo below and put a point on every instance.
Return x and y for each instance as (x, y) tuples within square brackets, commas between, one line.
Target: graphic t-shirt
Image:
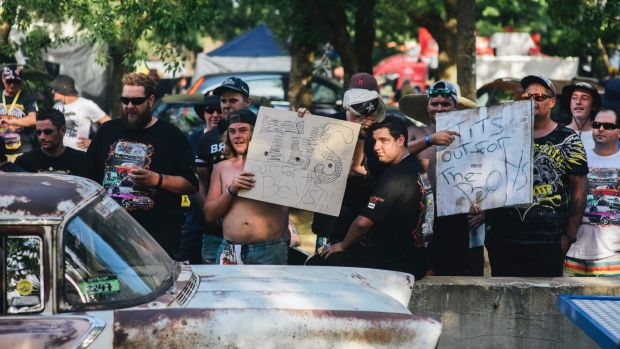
[(556, 156), (396, 208), (161, 148), (599, 234), (17, 139), (210, 149), (79, 116), (69, 162)]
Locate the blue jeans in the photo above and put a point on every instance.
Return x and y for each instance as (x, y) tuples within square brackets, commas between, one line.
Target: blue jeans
[(264, 252), (210, 246)]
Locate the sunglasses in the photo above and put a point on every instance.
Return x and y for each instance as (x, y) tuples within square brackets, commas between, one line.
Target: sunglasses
[(212, 110), (46, 131), (606, 125), (443, 92), (12, 82), (133, 100), (538, 97), (230, 100)]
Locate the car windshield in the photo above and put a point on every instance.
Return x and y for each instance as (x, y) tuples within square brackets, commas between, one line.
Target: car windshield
[(110, 258), (181, 115)]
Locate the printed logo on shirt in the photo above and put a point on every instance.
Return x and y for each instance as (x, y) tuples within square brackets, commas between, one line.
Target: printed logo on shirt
[(217, 148), (124, 157), (603, 198)]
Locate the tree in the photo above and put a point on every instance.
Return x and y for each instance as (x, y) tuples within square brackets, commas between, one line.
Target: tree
[(466, 48)]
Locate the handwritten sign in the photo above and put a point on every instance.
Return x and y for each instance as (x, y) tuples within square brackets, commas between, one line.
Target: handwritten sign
[(490, 164), (300, 162)]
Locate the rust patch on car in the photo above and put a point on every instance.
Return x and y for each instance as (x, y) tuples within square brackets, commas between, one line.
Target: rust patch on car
[(42, 195)]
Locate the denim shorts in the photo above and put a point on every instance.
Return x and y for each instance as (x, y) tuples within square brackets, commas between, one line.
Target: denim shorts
[(210, 246), (264, 252)]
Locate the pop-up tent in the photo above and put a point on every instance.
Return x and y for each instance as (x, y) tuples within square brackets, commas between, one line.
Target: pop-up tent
[(255, 50)]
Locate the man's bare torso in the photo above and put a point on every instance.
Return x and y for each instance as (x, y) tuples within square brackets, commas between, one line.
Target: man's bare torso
[(250, 221), (426, 157)]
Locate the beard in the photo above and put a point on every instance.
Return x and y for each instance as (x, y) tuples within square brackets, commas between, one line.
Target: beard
[(139, 119)]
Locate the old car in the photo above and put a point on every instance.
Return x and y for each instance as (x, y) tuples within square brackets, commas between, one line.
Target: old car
[(79, 272)]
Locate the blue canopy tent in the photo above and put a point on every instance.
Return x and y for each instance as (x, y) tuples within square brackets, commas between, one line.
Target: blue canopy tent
[(254, 50)]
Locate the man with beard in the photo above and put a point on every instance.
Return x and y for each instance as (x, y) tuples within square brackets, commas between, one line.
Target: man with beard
[(145, 164), (52, 155), (254, 231), (532, 240)]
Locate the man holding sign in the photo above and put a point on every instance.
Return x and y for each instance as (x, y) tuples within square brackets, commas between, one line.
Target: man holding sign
[(254, 231), (532, 240)]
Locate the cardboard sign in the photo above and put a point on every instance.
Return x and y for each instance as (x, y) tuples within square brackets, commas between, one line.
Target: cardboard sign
[(490, 164), (300, 162)]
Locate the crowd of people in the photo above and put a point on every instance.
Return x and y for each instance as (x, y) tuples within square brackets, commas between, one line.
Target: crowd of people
[(388, 218)]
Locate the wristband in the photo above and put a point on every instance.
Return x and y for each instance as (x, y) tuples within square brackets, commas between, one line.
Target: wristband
[(427, 140), (160, 181), (230, 191)]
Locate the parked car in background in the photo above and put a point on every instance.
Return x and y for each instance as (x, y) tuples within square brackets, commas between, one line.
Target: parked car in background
[(79, 272), (327, 94), (509, 89), (179, 110)]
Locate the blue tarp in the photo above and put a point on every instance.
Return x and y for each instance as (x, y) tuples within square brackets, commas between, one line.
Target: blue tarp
[(258, 42)]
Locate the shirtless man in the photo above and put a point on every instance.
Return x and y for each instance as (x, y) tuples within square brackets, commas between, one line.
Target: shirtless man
[(254, 231)]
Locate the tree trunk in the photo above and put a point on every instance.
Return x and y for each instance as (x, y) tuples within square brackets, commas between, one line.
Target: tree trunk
[(300, 81), (118, 52), (364, 37), (466, 51), (5, 30)]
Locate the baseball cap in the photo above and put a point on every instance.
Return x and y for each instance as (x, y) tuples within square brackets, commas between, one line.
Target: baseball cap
[(64, 85), (364, 103), (444, 85), (12, 73), (208, 101), (567, 92), (537, 79), (233, 84), (364, 81), (241, 115)]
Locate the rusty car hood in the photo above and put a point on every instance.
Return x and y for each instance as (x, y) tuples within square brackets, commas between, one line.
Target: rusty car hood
[(30, 196), (302, 288)]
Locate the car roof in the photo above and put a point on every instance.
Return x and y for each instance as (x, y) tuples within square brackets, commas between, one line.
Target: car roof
[(33, 196)]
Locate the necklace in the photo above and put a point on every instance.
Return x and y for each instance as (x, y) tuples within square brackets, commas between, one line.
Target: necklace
[(8, 110), (579, 127)]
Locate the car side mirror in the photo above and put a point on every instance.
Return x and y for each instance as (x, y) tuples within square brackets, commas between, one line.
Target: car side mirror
[(23, 263)]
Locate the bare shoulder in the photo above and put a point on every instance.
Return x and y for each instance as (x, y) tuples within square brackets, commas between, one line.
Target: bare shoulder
[(416, 132)]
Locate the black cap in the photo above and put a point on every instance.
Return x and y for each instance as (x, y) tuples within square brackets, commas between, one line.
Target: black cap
[(12, 73), (64, 85), (537, 79), (208, 101), (365, 81), (241, 115), (232, 84), (567, 92)]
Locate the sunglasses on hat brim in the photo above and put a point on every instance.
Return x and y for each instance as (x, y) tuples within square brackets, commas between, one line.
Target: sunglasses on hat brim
[(365, 108)]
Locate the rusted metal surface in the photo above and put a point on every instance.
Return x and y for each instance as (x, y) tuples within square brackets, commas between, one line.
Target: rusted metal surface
[(43, 332), (260, 328), (302, 287), (41, 196)]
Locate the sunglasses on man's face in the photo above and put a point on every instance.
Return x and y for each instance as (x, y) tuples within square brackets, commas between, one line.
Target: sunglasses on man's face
[(133, 100), (212, 110), (45, 131), (606, 125), (12, 82), (538, 97), (434, 92)]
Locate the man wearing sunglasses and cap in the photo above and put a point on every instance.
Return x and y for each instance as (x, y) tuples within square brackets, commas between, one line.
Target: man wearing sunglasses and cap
[(451, 251), (581, 101), (52, 155), (233, 94), (532, 240), (145, 164), (255, 232), (80, 113), (597, 249), (17, 113)]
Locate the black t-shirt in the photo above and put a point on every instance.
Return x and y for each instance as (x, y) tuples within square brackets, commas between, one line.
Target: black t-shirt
[(161, 148), (11, 167), (556, 155), (395, 209), (69, 162), (21, 139), (210, 149)]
